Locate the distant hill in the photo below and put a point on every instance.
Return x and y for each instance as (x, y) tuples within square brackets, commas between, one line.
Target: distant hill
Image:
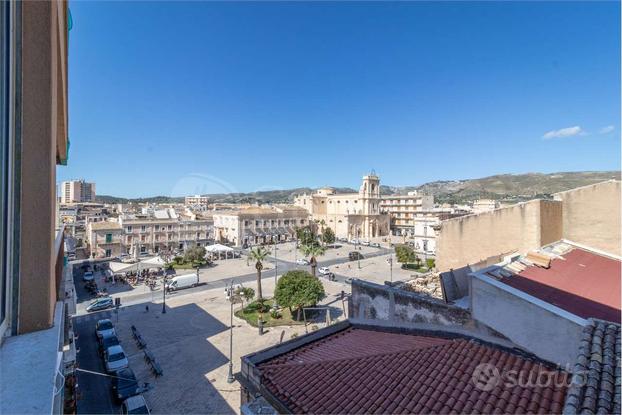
[(504, 187)]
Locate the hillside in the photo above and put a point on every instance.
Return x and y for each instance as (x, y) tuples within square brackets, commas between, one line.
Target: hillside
[(507, 187)]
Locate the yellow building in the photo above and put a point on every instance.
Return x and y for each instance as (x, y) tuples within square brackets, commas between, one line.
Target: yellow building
[(350, 215)]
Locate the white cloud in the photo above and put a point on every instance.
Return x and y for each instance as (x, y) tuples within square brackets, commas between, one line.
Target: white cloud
[(564, 132), (606, 130)]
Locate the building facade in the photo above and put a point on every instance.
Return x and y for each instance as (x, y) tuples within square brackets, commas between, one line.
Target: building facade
[(197, 200), (104, 239), (403, 208), (77, 191), (350, 215), (148, 234), (36, 288), (259, 225)]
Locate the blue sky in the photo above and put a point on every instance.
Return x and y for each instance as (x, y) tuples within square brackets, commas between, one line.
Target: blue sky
[(173, 98)]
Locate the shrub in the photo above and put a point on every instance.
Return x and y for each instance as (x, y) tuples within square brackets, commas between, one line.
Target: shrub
[(194, 254), (275, 314), (430, 263), (294, 335), (405, 254)]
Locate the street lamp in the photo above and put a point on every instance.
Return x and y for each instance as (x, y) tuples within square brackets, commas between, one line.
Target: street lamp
[(276, 265), (390, 261), (165, 255), (230, 378)]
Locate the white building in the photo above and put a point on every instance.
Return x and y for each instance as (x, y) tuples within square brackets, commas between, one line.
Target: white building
[(197, 200), (257, 225), (77, 191), (349, 215), (484, 205)]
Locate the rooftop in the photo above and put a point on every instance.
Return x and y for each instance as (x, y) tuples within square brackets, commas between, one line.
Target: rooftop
[(104, 225), (581, 281), (371, 370), (595, 385)]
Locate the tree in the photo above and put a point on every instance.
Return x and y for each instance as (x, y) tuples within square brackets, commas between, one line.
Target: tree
[(297, 289), (313, 251), (328, 236), (306, 236), (245, 293), (405, 254), (194, 254), (259, 254)]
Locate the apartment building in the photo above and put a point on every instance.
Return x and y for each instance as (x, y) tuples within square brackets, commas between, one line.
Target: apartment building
[(104, 239), (350, 215), (36, 294), (152, 233), (402, 209), (77, 191), (257, 225), (197, 200)]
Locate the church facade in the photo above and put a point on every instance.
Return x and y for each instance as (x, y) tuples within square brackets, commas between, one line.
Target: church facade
[(350, 215)]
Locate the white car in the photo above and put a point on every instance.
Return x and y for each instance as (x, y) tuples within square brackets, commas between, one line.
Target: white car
[(375, 244), (324, 270), (302, 261), (135, 405), (115, 359), (354, 241), (104, 328), (88, 276), (365, 243)]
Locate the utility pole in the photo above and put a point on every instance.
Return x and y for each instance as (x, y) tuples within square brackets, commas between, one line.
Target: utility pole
[(230, 378)]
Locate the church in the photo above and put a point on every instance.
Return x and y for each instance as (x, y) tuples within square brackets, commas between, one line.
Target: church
[(350, 215)]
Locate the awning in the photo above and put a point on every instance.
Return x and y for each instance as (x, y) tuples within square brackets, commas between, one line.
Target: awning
[(155, 262), (118, 267), (218, 248)]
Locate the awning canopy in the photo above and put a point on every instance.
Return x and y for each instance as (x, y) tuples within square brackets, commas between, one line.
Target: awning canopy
[(218, 248), (118, 267), (155, 262)]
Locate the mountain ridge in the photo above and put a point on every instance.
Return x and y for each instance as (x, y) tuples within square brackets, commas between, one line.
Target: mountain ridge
[(503, 187)]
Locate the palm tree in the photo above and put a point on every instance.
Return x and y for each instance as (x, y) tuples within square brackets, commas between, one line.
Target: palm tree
[(259, 254), (313, 251)]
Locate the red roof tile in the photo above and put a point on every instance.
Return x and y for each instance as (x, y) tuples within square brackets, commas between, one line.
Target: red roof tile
[(365, 371), (581, 282)]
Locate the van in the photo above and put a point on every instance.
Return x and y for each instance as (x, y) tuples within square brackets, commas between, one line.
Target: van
[(182, 281)]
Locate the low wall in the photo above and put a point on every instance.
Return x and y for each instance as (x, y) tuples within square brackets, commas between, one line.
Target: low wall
[(383, 305), (545, 330)]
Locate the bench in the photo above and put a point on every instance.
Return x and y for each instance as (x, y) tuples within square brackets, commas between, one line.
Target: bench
[(157, 370), (141, 343), (149, 357)]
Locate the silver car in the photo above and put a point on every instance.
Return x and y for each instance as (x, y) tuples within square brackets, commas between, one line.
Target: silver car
[(115, 359), (103, 328)]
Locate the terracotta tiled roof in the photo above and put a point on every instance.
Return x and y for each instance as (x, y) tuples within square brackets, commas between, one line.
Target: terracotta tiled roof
[(104, 225), (367, 371), (596, 381)]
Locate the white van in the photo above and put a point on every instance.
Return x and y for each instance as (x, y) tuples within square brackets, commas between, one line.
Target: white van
[(182, 281)]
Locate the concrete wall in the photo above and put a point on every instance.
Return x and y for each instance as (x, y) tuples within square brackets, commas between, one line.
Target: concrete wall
[(379, 304), (547, 331), (591, 215), (474, 238)]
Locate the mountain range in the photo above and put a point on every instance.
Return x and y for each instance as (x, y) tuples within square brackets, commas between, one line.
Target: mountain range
[(503, 187)]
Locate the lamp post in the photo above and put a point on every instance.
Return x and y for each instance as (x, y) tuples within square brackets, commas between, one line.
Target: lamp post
[(230, 378), (390, 261), (165, 255), (276, 265)]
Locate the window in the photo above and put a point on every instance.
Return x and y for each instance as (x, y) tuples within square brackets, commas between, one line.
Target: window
[(108, 238), (157, 227), (129, 229), (143, 249), (143, 228), (170, 227), (108, 253)]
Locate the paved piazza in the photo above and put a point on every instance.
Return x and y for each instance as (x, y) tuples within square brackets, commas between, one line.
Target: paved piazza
[(191, 341)]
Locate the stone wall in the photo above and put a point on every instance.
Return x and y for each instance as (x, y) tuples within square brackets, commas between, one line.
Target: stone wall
[(591, 215), (383, 305), (519, 228)]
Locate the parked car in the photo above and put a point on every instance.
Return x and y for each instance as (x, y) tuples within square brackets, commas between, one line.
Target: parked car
[(365, 243), (115, 359), (302, 261), (355, 255), (354, 241), (182, 281), (88, 276), (108, 341), (104, 327), (349, 280), (323, 270), (342, 239), (330, 276), (124, 385), (100, 304), (135, 405), (374, 245), (333, 246)]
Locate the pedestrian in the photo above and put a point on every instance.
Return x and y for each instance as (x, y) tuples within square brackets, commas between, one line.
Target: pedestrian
[(147, 308)]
